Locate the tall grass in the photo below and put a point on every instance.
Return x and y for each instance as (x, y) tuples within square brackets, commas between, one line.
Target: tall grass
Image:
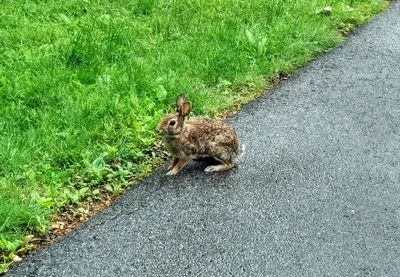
[(83, 83)]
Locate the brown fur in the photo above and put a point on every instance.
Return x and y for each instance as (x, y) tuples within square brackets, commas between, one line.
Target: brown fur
[(197, 138)]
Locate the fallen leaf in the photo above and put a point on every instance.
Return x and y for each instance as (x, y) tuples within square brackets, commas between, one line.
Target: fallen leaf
[(16, 258)]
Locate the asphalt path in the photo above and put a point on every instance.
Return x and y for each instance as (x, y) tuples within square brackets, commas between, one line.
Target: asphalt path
[(316, 194)]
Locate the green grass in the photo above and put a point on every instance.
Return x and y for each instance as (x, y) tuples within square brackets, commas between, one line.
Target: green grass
[(84, 83)]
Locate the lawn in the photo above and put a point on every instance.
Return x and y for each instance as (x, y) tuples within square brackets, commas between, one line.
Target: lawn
[(83, 84)]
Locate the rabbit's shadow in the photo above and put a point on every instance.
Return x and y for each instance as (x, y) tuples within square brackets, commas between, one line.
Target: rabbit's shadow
[(206, 161)]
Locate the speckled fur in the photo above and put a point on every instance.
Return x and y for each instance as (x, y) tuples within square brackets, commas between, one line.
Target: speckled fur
[(198, 138)]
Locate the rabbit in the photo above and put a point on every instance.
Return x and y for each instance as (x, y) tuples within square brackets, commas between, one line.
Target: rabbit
[(198, 138)]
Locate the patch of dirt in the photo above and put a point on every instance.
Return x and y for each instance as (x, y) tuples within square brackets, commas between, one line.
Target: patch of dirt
[(280, 77)]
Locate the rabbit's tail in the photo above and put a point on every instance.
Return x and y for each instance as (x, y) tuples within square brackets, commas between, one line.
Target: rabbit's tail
[(241, 151)]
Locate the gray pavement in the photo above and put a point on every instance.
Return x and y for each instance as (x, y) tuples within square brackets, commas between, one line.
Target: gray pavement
[(316, 194)]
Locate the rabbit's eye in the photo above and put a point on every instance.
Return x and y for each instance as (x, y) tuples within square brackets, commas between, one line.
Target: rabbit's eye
[(172, 122)]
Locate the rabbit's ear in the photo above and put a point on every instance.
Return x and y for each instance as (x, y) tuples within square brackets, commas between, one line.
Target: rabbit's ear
[(180, 101), (186, 108)]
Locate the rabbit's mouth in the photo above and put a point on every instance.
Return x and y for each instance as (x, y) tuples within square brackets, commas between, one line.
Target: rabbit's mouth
[(160, 132), (169, 138), (167, 135)]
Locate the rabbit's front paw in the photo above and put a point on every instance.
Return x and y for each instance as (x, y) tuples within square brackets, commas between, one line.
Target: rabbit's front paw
[(172, 172)]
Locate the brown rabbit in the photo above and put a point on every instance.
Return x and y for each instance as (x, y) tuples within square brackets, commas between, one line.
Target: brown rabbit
[(197, 138)]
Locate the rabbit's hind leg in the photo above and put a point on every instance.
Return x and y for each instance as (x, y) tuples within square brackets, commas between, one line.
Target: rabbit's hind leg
[(227, 159), (227, 163), (220, 167)]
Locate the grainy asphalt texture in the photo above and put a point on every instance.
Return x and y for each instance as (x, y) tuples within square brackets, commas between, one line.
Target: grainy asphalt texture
[(316, 194)]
